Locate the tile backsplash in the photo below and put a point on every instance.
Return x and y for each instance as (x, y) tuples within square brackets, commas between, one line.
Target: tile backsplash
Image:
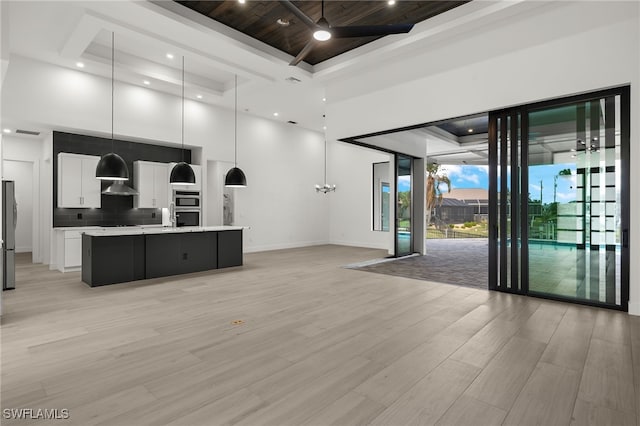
[(116, 209)]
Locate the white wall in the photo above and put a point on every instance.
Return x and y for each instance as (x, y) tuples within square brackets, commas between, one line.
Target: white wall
[(559, 49), (351, 219), (564, 48), (282, 162)]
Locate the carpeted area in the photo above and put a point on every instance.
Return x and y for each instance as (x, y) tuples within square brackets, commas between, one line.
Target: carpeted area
[(454, 261)]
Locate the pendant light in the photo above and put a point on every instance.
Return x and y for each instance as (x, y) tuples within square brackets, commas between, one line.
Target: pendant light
[(325, 187), (235, 177), (182, 173), (111, 166)]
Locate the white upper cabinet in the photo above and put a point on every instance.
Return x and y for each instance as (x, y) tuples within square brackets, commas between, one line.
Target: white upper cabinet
[(77, 183), (197, 170), (152, 183)]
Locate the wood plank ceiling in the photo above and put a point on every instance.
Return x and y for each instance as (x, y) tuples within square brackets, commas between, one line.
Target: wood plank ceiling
[(259, 19)]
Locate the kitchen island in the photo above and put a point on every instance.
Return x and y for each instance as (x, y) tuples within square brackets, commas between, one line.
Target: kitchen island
[(116, 255)]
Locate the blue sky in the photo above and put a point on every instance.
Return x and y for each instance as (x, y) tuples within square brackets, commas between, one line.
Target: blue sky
[(463, 176)]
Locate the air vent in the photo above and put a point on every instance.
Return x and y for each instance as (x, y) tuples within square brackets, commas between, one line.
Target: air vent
[(27, 132), (292, 122), (292, 80)]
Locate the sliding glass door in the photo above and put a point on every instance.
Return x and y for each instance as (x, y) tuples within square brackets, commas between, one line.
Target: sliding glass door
[(559, 189)]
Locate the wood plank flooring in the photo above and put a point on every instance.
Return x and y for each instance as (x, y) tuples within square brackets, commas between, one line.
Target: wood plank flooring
[(292, 338)]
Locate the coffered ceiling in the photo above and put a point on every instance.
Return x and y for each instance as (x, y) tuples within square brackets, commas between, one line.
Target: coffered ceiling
[(273, 24)]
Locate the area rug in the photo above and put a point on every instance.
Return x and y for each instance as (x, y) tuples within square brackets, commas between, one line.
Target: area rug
[(455, 261)]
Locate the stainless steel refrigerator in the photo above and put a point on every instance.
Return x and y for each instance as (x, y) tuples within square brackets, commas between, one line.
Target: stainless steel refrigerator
[(9, 221)]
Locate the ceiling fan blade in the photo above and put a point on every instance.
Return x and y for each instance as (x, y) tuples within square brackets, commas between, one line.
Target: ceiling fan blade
[(370, 30), (304, 52), (299, 14)]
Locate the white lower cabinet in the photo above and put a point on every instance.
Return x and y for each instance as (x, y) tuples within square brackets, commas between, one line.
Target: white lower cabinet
[(68, 243)]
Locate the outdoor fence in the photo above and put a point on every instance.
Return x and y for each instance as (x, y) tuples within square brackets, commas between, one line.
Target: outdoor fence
[(450, 233)]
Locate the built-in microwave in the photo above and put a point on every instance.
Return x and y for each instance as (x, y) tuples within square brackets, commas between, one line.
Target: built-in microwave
[(187, 217), (186, 199)]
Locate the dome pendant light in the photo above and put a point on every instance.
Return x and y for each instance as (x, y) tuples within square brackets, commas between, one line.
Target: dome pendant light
[(111, 166), (182, 173), (235, 177)]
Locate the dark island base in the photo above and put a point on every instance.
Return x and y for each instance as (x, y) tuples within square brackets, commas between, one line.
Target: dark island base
[(112, 259)]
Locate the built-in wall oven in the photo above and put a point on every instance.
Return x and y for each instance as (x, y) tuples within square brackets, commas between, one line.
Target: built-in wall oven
[(187, 199), (188, 210), (187, 217)]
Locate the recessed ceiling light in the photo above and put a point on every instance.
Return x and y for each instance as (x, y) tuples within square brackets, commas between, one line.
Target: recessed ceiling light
[(470, 130), (242, 1), (275, 114), (199, 96), (391, 2), (283, 22), (6, 130), (324, 99), (146, 82), (79, 65), (169, 55)]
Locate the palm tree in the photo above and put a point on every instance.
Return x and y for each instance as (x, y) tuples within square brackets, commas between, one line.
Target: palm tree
[(434, 192)]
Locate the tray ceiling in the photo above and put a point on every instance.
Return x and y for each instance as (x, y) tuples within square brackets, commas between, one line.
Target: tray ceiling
[(260, 20)]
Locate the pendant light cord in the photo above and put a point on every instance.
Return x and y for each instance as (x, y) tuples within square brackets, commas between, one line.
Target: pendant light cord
[(182, 135), (112, 85), (325, 159), (324, 116), (322, 9), (235, 137)]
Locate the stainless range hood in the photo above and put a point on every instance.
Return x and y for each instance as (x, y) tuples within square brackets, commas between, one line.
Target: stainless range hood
[(119, 188)]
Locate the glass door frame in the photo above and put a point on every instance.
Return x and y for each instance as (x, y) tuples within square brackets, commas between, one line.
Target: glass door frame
[(514, 123), (396, 159)]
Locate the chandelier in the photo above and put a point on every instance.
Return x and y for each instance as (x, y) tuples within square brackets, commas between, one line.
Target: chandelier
[(326, 187)]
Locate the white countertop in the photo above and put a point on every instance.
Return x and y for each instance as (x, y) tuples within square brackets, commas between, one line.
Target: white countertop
[(96, 227), (137, 230)]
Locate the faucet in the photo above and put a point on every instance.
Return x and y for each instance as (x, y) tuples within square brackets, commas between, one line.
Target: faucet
[(172, 214)]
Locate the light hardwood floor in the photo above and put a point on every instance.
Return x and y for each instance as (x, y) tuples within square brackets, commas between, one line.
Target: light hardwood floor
[(317, 344)]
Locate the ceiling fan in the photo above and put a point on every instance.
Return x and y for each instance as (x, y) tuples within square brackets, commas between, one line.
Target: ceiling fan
[(322, 31)]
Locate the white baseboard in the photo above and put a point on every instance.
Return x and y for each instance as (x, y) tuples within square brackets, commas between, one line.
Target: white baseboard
[(283, 246), (381, 246)]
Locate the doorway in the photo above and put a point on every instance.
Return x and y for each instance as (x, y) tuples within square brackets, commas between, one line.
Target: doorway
[(559, 199), (22, 173)]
